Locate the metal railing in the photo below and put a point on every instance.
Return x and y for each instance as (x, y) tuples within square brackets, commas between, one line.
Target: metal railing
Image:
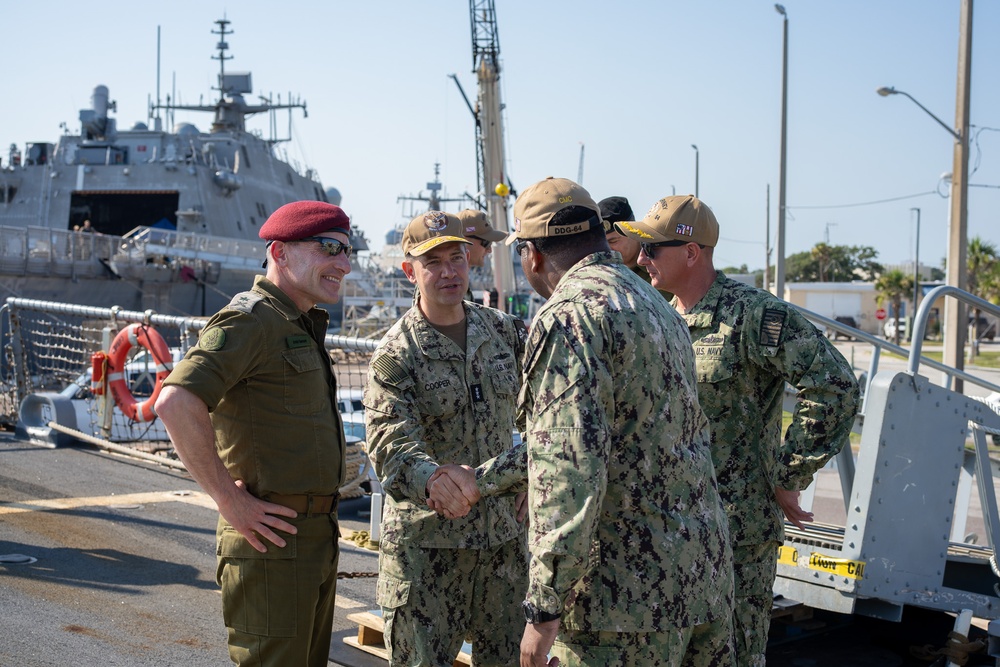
[(47, 349)]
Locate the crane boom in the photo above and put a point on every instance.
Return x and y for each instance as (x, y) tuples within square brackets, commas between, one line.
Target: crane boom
[(489, 132)]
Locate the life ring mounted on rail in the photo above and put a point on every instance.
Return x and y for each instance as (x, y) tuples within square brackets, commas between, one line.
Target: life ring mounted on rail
[(151, 340)]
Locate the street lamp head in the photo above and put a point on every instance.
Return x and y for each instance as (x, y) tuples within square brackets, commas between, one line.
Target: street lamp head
[(780, 9), (694, 147), (885, 91)]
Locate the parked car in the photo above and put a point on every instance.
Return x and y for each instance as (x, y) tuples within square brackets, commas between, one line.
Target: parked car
[(985, 329), (349, 401), (889, 329), (843, 319)]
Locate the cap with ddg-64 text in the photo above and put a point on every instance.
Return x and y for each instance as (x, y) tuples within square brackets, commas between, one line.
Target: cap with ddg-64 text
[(431, 229), (475, 224), (678, 218), (301, 219), (535, 207)]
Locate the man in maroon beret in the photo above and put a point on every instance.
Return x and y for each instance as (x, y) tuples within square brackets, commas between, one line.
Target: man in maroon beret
[(250, 412)]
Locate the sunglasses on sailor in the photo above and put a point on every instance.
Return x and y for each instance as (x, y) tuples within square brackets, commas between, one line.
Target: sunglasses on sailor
[(520, 245), (333, 247), (650, 248), (482, 242)]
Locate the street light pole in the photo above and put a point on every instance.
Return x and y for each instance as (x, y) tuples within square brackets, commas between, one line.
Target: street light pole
[(916, 275), (695, 170), (779, 260)]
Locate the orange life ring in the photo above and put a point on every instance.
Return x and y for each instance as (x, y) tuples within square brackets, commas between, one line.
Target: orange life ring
[(127, 338)]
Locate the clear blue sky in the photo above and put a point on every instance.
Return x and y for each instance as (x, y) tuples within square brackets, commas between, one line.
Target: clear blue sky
[(636, 82)]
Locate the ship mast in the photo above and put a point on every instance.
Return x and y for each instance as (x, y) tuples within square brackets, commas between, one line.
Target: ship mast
[(231, 109)]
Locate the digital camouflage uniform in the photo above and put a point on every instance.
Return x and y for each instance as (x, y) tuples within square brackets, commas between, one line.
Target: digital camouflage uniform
[(747, 345), (627, 535), (428, 403), (263, 371)]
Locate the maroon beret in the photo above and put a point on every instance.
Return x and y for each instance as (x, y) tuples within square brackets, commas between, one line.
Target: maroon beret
[(300, 219)]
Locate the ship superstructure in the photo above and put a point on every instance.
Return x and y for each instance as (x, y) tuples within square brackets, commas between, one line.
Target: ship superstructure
[(179, 208)]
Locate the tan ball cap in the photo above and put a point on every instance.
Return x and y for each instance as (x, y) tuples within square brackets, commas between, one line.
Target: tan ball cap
[(536, 205), (431, 229), (679, 218), (474, 223)]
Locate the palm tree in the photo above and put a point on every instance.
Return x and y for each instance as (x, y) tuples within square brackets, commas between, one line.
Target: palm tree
[(893, 286), (822, 254), (983, 264)]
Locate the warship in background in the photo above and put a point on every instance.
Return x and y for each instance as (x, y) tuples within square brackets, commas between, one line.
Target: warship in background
[(481, 279), (147, 218)]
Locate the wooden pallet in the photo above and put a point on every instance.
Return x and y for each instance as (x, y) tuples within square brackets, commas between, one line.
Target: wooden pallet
[(370, 639), (790, 610)]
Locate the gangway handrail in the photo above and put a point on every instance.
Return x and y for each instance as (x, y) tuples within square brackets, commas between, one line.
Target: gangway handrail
[(923, 315), (913, 354)]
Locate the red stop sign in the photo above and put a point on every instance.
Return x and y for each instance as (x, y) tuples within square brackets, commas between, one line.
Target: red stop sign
[(880, 314)]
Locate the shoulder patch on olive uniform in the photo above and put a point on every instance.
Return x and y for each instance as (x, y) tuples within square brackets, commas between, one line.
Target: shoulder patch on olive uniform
[(771, 325), (388, 371), (212, 339), (245, 301)]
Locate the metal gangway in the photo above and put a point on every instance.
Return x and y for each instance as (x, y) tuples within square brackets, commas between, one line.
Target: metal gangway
[(906, 497)]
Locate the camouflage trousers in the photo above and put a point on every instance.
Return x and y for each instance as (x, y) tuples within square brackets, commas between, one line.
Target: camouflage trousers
[(754, 569), (433, 599), (706, 645), (278, 606)]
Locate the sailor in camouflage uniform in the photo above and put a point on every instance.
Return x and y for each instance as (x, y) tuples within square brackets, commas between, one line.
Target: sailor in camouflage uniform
[(251, 412), (441, 389), (617, 209), (747, 345), (630, 559)]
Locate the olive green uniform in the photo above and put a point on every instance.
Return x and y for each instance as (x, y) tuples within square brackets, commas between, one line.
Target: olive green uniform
[(747, 345), (627, 534), (428, 403), (263, 371)]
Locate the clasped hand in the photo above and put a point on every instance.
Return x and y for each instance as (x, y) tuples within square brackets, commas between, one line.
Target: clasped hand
[(451, 490)]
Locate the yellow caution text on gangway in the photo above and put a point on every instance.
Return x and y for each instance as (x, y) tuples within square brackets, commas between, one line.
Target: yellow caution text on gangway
[(788, 555), (839, 566)]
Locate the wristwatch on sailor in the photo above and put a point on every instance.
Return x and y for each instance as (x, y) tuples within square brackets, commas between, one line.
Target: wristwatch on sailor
[(533, 614)]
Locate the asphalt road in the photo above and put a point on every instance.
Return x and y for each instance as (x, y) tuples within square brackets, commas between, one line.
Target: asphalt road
[(125, 569)]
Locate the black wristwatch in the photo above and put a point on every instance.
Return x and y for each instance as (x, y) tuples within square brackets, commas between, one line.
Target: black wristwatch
[(533, 614)]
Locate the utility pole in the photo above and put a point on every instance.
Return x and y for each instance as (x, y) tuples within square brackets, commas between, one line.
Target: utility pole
[(954, 311), (779, 261), (767, 243), (826, 234), (696, 156), (916, 276)]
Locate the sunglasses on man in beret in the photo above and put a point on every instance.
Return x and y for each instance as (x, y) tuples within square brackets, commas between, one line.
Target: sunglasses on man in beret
[(333, 247)]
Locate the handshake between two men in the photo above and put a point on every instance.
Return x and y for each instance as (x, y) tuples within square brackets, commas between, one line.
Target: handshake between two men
[(452, 491)]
